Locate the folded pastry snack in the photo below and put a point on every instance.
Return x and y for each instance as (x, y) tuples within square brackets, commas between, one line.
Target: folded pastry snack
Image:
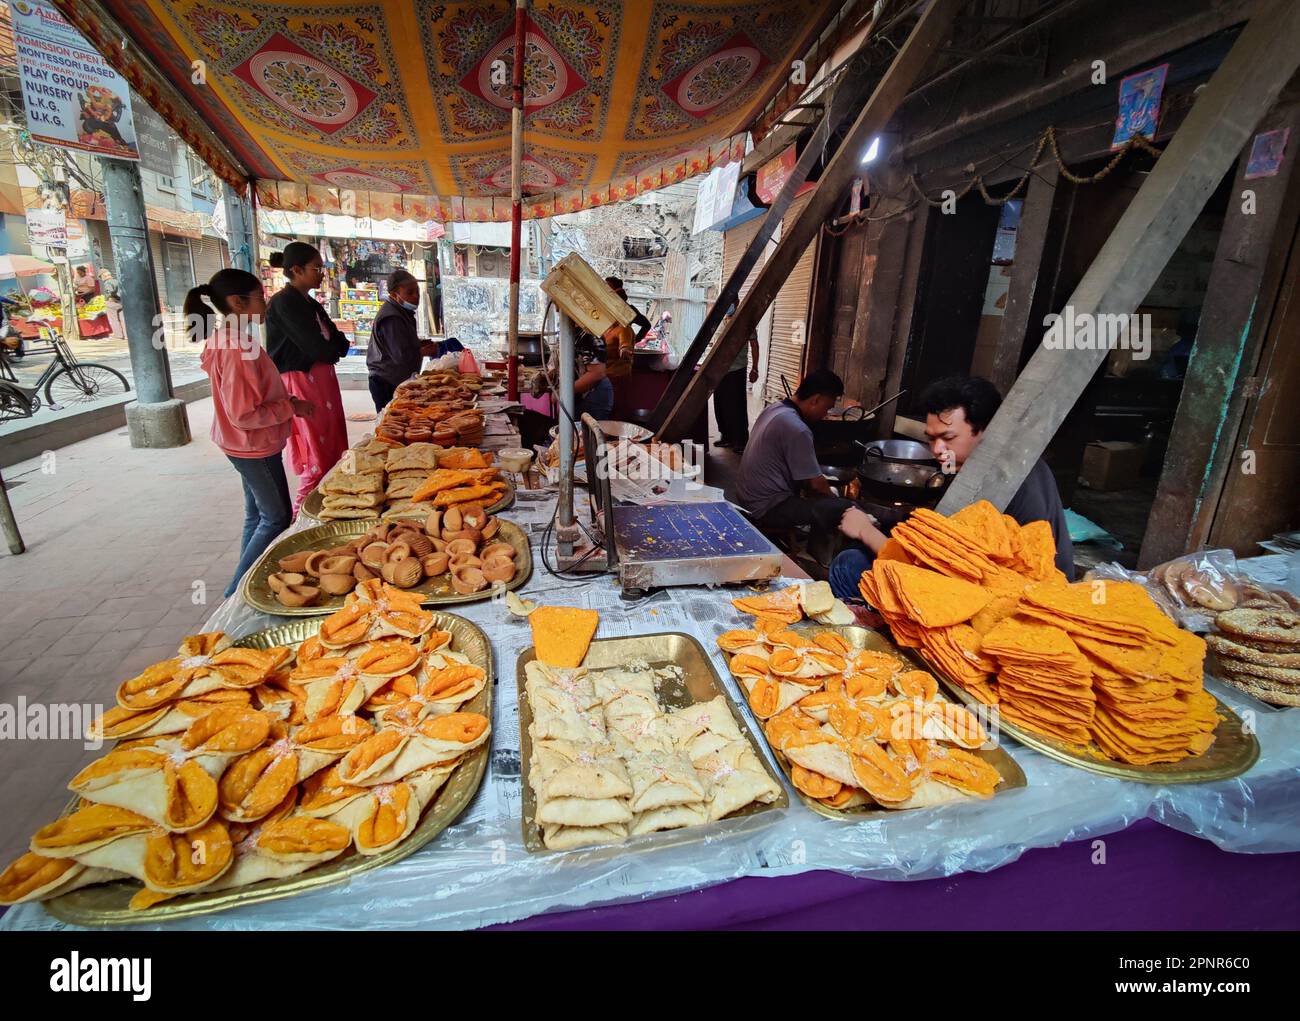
[(567, 769), (566, 838), (704, 727), (36, 877), (338, 483), (607, 762), (339, 501), (172, 781), (734, 778), (349, 513), (413, 455), (402, 746), (856, 726), (273, 771)]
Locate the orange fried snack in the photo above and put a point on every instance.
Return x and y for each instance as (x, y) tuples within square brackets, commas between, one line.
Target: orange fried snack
[(562, 634), (441, 480), (465, 494), (782, 604), (930, 599), (466, 459)]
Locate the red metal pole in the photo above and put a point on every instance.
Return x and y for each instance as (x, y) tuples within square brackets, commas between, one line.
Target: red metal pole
[(516, 199)]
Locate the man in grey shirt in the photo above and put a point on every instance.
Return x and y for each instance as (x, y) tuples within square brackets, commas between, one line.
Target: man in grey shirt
[(957, 411), (781, 483)]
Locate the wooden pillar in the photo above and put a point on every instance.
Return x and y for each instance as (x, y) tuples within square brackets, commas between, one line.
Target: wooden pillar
[(918, 223), (1234, 319), (1260, 63), (1030, 239), (873, 332)]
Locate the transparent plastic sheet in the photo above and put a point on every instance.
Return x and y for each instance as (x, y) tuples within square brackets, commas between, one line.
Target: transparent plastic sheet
[(1193, 588), (1255, 813), (477, 872)]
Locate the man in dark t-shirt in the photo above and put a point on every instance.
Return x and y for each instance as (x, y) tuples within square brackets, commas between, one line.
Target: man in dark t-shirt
[(957, 411)]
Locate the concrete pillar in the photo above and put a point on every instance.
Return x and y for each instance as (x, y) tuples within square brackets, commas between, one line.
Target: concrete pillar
[(239, 230), (156, 418)]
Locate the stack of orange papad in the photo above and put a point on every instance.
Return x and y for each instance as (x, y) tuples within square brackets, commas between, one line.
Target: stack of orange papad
[(1095, 662)]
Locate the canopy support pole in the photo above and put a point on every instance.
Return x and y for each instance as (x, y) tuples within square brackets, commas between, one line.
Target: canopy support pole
[(516, 200), (156, 418), (566, 520)]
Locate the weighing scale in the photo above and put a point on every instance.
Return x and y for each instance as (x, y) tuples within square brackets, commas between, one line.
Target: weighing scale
[(689, 544), (650, 547), (673, 543)]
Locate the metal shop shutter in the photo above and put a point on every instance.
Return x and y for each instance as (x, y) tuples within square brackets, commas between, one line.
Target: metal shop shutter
[(208, 258)]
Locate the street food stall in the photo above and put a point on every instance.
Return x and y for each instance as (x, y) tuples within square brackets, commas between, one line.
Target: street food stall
[(460, 691)]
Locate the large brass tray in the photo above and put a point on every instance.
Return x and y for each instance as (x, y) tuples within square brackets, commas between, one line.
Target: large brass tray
[(700, 683), (1234, 750), (315, 501), (255, 591), (1012, 775), (106, 903)]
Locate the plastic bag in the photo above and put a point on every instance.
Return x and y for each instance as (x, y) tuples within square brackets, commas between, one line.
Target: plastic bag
[(1195, 588)]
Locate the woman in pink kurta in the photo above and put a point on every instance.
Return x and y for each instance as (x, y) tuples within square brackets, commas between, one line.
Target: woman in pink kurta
[(252, 411), (305, 345)]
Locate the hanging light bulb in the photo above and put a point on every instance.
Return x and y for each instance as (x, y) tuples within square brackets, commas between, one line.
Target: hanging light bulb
[(873, 150)]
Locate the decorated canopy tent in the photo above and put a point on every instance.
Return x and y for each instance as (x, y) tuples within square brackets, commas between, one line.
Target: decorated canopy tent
[(402, 110)]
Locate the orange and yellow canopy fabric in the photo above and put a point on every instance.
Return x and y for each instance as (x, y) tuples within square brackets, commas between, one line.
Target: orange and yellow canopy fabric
[(402, 110)]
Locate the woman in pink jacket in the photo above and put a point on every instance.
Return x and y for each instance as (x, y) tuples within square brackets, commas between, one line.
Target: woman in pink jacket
[(252, 411)]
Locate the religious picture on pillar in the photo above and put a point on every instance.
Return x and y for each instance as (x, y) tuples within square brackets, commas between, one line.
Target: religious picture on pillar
[(1266, 154), (1139, 105)]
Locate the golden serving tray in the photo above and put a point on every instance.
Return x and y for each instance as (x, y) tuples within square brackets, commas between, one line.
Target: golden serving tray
[(1234, 750), (256, 592), (106, 904), (315, 502), (1013, 776), (700, 683)]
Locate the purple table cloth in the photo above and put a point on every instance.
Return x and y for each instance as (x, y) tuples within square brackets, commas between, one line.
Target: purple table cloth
[(1153, 878)]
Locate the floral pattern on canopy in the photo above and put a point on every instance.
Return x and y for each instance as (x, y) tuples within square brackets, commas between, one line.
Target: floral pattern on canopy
[(402, 111)]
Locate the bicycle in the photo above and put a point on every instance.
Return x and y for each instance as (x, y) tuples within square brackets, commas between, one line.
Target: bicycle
[(66, 381)]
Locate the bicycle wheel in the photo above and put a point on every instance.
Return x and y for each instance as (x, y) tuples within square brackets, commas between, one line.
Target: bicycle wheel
[(84, 382), (16, 404)]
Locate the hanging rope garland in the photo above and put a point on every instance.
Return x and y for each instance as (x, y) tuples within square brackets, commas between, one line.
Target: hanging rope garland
[(1048, 137), (976, 183)]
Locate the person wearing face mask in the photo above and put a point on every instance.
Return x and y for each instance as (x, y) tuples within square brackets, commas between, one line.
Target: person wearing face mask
[(305, 345), (395, 348), (252, 412)]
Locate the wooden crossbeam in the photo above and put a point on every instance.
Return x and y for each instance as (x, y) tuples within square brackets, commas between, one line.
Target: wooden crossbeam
[(1260, 63), (848, 93), (930, 31)]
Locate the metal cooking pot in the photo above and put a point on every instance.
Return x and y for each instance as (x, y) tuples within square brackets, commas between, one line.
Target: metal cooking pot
[(889, 475), (899, 450)]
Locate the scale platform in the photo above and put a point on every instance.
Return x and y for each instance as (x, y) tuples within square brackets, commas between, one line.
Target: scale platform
[(689, 544)]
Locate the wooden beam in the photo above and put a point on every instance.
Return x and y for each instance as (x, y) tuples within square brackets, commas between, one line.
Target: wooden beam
[(1030, 239), (1264, 57), (1247, 271), (918, 223), (930, 31), (1165, 28), (845, 97)]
